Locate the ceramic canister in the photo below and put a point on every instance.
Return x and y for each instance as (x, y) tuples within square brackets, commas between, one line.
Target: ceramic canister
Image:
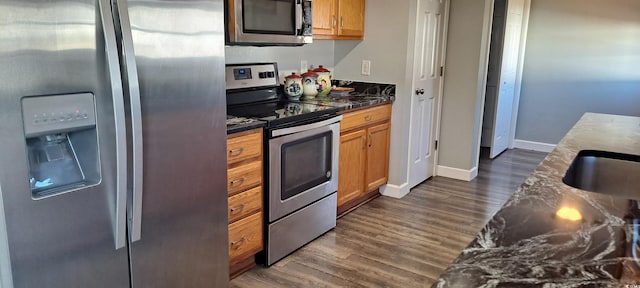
[(293, 86), (324, 81), (309, 85)]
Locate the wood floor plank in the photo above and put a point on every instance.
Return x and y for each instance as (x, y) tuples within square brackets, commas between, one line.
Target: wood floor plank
[(404, 242)]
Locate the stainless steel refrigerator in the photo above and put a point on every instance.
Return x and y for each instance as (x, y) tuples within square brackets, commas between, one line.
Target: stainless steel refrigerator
[(112, 132)]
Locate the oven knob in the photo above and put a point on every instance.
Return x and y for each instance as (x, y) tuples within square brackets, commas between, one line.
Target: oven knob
[(328, 174)]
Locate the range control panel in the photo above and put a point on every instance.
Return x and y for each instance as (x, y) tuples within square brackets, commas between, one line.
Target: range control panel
[(57, 113), (241, 76)]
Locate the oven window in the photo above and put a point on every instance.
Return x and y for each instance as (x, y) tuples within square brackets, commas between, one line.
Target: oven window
[(269, 16), (306, 163)]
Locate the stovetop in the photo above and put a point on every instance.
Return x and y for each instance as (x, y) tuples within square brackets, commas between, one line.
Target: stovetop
[(282, 112)]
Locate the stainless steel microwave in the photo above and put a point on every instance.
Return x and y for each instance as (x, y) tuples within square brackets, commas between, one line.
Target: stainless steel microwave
[(269, 22)]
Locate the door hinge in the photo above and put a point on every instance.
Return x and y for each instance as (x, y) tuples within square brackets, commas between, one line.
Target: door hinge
[(441, 71), (436, 145)]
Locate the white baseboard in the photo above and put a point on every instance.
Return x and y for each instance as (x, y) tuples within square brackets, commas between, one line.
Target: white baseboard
[(456, 173), (535, 146), (395, 191)]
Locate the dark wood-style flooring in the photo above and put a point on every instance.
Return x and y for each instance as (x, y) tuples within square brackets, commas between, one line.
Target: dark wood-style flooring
[(404, 242)]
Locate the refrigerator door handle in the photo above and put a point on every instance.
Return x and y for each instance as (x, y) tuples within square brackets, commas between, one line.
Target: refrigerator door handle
[(120, 127), (131, 75)]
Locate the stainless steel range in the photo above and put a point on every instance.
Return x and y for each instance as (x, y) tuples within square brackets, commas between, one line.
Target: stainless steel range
[(301, 156)]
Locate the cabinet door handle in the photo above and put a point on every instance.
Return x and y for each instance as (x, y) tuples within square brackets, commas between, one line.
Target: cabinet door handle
[(364, 142), (341, 22), (370, 140), (335, 21), (368, 117), (236, 244), (236, 152), (237, 181), (238, 208)]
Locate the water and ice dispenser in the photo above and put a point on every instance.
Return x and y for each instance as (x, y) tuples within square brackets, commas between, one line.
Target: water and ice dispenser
[(62, 143)]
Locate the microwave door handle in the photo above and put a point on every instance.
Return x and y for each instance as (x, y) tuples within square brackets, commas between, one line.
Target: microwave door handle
[(299, 12)]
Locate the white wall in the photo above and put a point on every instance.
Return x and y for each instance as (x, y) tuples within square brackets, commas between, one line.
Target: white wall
[(464, 83), (320, 52), (582, 56), (387, 30)]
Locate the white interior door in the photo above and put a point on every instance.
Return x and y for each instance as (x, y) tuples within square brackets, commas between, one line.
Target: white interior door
[(426, 88), (510, 55), (493, 71)]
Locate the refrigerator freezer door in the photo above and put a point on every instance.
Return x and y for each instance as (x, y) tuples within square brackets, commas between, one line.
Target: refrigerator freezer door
[(67, 240), (179, 56)]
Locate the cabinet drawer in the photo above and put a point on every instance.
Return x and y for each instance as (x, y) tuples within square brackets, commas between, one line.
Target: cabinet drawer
[(244, 177), (365, 117), (245, 203), (245, 237), (244, 146)]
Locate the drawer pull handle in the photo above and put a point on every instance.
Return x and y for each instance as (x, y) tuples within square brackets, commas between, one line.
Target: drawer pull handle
[(236, 152), (237, 182), (236, 244), (238, 208), (368, 117)]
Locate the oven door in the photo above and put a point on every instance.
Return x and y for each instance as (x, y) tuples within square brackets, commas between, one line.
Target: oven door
[(303, 165), (269, 22)]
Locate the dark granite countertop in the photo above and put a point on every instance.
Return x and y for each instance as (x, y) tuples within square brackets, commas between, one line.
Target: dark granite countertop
[(527, 245), (365, 94), (239, 124), (353, 101)]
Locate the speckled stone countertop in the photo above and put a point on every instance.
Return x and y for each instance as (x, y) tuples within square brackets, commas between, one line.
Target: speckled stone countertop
[(527, 245), (365, 94), (239, 124)]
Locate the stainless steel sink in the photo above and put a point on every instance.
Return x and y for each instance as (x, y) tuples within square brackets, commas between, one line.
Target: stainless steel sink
[(604, 172)]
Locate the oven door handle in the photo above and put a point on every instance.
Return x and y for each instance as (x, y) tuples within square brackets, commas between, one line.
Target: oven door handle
[(302, 128)]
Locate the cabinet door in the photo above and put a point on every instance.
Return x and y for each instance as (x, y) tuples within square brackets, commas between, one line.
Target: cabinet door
[(377, 156), (351, 166), (351, 20), (325, 18)]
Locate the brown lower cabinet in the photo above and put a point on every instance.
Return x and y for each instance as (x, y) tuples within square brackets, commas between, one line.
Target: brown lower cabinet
[(245, 190), (364, 156)]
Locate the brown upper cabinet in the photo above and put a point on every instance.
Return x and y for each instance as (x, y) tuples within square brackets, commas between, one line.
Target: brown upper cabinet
[(338, 19)]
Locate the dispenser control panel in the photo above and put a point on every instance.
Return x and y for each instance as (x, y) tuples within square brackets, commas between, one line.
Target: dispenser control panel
[(57, 113)]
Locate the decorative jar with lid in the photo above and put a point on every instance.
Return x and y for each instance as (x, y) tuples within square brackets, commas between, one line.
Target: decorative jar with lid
[(324, 81), (309, 85), (293, 86)]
